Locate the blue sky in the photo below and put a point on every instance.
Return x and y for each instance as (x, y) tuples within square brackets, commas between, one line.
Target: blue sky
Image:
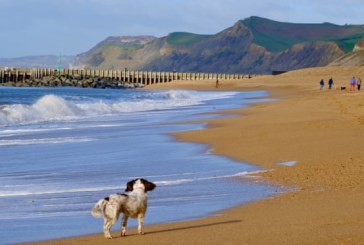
[(69, 27)]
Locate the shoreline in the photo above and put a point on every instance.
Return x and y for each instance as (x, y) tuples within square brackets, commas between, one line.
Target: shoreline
[(316, 129)]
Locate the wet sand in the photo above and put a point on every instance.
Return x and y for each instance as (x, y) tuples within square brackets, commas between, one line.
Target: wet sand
[(322, 130)]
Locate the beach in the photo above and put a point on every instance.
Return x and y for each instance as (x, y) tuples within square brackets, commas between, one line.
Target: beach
[(308, 140), (57, 143)]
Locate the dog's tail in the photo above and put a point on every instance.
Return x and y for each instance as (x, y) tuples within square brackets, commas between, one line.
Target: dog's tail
[(98, 209)]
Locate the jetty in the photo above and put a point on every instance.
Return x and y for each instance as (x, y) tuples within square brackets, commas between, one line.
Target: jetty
[(90, 78)]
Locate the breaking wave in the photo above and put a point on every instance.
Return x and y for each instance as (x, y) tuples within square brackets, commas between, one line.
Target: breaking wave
[(55, 108)]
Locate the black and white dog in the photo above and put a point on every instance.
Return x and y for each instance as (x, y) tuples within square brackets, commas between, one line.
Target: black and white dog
[(133, 204)]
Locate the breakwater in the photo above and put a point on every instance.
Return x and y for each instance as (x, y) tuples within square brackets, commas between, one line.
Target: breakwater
[(38, 77)]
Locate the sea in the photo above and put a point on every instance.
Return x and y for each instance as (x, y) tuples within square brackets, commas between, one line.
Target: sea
[(63, 149)]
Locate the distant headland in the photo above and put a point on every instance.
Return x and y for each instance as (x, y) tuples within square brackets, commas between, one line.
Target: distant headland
[(254, 45)]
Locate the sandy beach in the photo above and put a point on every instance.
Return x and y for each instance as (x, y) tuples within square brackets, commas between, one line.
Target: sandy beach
[(321, 130)]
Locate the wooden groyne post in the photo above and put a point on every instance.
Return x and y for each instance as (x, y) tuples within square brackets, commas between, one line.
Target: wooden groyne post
[(141, 77)]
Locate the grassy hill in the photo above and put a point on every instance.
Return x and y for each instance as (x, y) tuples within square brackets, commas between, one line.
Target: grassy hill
[(278, 36), (355, 57), (252, 45), (184, 38), (110, 53)]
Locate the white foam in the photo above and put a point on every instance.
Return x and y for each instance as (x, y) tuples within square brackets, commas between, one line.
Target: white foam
[(54, 108), (47, 108), (43, 215), (192, 198), (61, 140), (12, 132), (183, 181), (173, 182), (104, 188), (288, 163), (59, 191)]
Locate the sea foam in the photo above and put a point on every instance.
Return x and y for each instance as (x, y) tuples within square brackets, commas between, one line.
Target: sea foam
[(45, 141), (52, 107)]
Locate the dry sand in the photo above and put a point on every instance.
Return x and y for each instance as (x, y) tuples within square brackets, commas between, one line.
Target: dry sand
[(322, 130)]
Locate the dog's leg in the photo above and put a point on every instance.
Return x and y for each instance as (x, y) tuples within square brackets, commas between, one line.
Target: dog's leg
[(140, 224), (107, 226), (124, 222)]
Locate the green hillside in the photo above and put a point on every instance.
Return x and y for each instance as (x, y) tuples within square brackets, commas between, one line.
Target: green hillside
[(184, 38), (347, 43), (253, 45), (278, 36)]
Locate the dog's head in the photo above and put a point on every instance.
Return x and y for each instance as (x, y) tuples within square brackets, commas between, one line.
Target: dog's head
[(140, 184)]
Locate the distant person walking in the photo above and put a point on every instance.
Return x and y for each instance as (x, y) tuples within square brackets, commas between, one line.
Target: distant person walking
[(331, 82), (352, 84), (322, 84), (358, 83), (217, 83)]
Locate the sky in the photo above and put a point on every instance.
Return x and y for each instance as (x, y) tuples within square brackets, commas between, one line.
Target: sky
[(70, 27)]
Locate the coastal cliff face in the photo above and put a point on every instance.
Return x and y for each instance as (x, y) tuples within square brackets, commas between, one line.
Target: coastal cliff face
[(112, 52), (355, 57), (253, 45)]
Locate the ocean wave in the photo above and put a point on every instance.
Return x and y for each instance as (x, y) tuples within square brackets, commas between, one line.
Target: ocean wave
[(12, 132), (23, 131), (52, 107), (183, 181), (190, 198), (45, 141), (60, 213), (52, 192), (47, 108), (172, 182)]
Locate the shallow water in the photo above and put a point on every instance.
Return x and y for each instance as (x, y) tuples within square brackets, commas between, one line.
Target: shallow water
[(62, 149)]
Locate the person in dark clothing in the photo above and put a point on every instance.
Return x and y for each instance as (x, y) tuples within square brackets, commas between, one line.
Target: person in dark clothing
[(322, 84), (331, 82)]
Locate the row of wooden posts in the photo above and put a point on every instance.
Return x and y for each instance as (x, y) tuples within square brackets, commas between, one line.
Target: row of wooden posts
[(142, 77)]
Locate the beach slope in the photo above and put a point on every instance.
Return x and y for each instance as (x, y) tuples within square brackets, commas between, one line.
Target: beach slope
[(322, 132)]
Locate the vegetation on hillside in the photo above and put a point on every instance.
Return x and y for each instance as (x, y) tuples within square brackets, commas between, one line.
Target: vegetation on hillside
[(252, 45), (184, 38), (278, 36)]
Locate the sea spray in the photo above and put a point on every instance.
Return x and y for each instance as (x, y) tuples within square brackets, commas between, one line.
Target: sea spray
[(53, 107)]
